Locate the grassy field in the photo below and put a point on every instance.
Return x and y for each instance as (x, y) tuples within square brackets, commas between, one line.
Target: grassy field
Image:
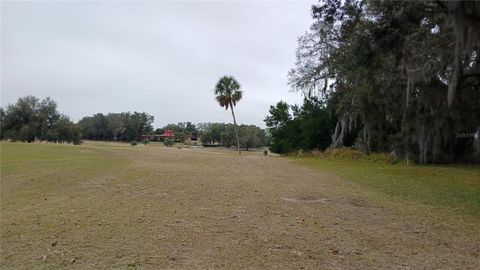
[(453, 188), (114, 206)]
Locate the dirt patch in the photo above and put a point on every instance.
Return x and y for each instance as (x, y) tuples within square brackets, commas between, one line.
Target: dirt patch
[(305, 199)]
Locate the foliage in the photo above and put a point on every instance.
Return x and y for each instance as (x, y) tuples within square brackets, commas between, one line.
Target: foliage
[(401, 76), (228, 93), (133, 143), (30, 119), (116, 126), (146, 141), (250, 136), (169, 142), (309, 127), (181, 130), (211, 133)]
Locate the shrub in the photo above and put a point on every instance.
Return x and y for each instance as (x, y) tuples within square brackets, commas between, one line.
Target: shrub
[(133, 143), (146, 141), (210, 145), (77, 142), (344, 153), (168, 142), (381, 158)]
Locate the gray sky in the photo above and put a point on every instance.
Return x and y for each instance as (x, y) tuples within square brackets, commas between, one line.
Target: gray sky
[(162, 58)]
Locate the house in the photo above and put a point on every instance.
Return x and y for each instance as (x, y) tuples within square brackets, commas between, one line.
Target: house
[(159, 137), (192, 139), (167, 134)]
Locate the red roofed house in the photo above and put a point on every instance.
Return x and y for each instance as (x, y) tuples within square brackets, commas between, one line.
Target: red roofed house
[(161, 138), (167, 134)]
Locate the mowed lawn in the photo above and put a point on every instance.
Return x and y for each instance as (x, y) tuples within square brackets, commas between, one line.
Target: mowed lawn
[(114, 206)]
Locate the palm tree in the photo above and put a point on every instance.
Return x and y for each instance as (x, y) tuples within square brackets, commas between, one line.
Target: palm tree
[(228, 93)]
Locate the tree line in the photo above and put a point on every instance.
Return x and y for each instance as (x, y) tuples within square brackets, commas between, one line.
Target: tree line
[(125, 126), (391, 76), (31, 119), (181, 130), (249, 136), (218, 134), (297, 127)]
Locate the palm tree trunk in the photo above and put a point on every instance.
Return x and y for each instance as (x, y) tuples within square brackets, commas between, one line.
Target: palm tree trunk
[(235, 125)]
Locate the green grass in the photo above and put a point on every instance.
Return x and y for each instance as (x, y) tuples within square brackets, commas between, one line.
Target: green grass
[(451, 187), (39, 169), (27, 158)]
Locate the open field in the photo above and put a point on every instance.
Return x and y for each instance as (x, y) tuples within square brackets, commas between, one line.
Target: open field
[(113, 206)]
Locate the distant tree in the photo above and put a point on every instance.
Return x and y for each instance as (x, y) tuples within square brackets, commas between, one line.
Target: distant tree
[(95, 127), (251, 136), (188, 128), (159, 131), (67, 131), (310, 126), (228, 93), (180, 136), (224, 134), (168, 142), (30, 119), (173, 127), (138, 124), (181, 130), (21, 119), (229, 136), (2, 123), (47, 117), (215, 131), (116, 126), (279, 115), (211, 132)]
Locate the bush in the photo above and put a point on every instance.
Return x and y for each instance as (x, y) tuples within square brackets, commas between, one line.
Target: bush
[(168, 142), (353, 154), (133, 143), (382, 158), (77, 142), (210, 145), (146, 141), (344, 153)]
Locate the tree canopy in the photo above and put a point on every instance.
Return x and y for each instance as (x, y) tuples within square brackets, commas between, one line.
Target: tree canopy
[(399, 76), (306, 127), (125, 126), (31, 119), (228, 93), (250, 136)]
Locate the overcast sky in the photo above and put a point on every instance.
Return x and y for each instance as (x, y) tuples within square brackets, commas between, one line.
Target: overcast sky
[(162, 58)]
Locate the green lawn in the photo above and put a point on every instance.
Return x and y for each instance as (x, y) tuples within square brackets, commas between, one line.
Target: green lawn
[(452, 187), (24, 159)]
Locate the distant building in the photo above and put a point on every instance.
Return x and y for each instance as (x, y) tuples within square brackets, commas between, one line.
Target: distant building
[(167, 134), (191, 138), (159, 137)]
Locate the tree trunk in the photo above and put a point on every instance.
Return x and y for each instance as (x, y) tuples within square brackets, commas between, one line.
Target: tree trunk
[(235, 125)]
